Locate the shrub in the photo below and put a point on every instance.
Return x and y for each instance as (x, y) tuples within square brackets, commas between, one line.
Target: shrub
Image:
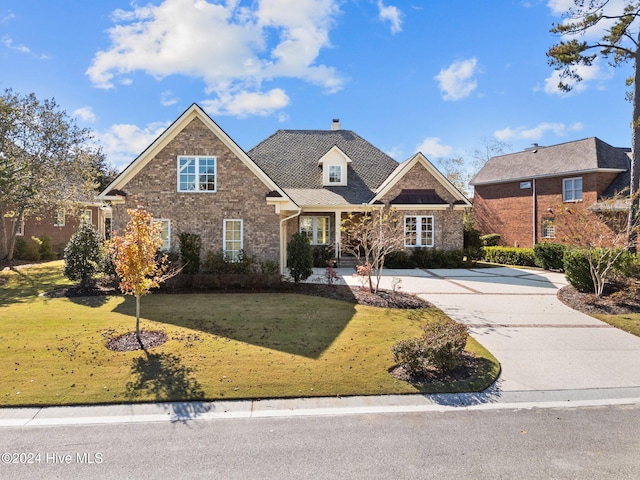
[(523, 257), (269, 267), (472, 242), (190, 247), (83, 255), (444, 341), (434, 258), (299, 257), (441, 347), (322, 254), (491, 240), (218, 262), (576, 270), (398, 259), (549, 255), (46, 249), (26, 249)]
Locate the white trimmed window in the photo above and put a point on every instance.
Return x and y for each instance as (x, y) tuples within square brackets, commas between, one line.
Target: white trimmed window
[(316, 229), (165, 233), (197, 174), (572, 189), (548, 228), (335, 174), (418, 231), (233, 241), (59, 218)]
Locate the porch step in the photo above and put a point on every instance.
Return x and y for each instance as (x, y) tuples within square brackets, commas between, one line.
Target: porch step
[(348, 262)]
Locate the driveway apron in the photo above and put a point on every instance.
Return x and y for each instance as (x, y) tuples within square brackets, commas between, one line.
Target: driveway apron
[(541, 343)]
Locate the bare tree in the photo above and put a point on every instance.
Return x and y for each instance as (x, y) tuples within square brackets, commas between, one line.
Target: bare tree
[(371, 236)]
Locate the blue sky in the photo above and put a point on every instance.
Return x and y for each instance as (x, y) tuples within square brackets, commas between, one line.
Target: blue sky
[(437, 76)]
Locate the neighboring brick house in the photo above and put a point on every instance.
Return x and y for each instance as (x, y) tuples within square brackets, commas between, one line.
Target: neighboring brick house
[(59, 225), (518, 195), (194, 178)]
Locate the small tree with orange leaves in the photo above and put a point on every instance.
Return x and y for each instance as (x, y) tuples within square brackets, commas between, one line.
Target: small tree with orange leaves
[(135, 257)]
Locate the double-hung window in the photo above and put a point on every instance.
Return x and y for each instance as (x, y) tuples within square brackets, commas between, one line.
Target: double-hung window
[(233, 242), (165, 233), (86, 216), (572, 189), (197, 174), (548, 228), (59, 218), (316, 229), (418, 231), (335, 173)]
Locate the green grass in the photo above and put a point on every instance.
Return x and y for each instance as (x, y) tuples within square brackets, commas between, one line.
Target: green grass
[(628, 322), (220, 346)]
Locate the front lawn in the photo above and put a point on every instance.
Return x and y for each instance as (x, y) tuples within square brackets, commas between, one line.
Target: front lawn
[(52, 350)]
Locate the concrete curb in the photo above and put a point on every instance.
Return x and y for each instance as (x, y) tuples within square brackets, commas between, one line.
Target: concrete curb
[(321, 406)]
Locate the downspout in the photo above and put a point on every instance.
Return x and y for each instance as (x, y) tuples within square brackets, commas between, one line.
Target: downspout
[(534, 208), (283, 243)]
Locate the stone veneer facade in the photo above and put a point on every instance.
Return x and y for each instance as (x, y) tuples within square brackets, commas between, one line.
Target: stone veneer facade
[(240, 195)]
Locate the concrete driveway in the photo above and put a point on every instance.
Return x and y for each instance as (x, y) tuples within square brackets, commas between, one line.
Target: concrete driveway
[(541, 344)]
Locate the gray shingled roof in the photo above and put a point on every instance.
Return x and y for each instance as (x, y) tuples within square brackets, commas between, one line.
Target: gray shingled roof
[(290, 158), (568, 158)]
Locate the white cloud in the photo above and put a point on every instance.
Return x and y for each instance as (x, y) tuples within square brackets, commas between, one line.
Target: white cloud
[(232, 49), (167, 98), (559, 7), (456, 81), (431, 147), (7, 17), (390, 14), (8, 42), (243, 104), (122, 143), (590, 75), (85, 114), (537, 132)]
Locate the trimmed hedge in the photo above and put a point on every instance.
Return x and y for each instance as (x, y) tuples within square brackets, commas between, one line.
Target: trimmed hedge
[(491, 240), (523, 257), (550, 255)]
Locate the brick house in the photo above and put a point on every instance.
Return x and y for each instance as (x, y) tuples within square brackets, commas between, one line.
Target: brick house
[(517, 195), (194, 178), (59, 225)]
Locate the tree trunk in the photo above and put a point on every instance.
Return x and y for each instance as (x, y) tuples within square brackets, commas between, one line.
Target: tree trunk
[(138, 320), (635, 155)]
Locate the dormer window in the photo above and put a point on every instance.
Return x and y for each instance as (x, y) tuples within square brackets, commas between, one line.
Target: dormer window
[(334, 167), (335, 174)]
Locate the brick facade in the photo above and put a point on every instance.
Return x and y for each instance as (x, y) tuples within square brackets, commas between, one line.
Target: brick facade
[(509, 210), (240, 195)]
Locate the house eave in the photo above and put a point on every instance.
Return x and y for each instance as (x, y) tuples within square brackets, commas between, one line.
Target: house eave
[(549, 175)]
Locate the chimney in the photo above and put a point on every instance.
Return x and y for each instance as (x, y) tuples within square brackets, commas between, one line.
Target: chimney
[(335, 125)]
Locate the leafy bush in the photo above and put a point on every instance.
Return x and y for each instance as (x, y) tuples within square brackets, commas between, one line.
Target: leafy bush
[(434, 258), (46, 249), (491, 240), (322, 254), (218, 262), (576, 270), (549, 255), (269, 267), (299, 257), (26, 249), (523, 257), (83, 255), (190, 247), (472, 242), (398, 259), (440, 347)]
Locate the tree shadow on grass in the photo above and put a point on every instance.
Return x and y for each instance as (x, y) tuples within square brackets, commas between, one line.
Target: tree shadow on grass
[(163, 377), (297, 324)]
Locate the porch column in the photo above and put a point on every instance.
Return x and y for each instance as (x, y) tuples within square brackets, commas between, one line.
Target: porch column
[(338, 235)]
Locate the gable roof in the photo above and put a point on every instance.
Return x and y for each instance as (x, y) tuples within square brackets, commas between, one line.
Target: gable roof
[(290, 158), (191, 113), (401, 171), (580, 156)]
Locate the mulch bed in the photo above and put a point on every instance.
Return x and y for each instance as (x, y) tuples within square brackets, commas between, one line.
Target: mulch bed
[(617, 300), (128, 342), (467, 369)]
